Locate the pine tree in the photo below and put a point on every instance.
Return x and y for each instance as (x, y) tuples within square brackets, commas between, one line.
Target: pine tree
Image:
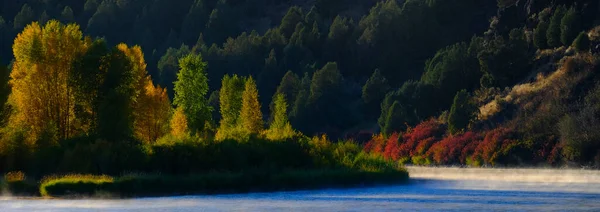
[(569, 27), (539, 35), (582, 42), (251, 116), (460, 112), (553, 33), (393, 121), (288, 23)]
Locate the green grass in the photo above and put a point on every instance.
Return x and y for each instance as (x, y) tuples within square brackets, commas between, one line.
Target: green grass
[(213, 183)]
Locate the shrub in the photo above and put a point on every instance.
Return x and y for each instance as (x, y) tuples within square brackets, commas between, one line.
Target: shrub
[(448, 150), (582, 42), (429, 130), (392, 148), (489, 150)]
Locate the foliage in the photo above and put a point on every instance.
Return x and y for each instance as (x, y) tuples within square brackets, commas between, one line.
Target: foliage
[(230, 98), (280, 127), (539, 35), (41, 93), (553, 35), (582, 42), (250, 116), (461, 112), (157, 112), (191, 89), (179, 124), (374, 90), (570, 25)]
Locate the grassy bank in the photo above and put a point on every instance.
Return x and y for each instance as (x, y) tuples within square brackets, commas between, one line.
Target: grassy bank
[(212, 183)]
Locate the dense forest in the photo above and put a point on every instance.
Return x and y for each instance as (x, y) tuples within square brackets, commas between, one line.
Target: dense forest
[(428, 82)]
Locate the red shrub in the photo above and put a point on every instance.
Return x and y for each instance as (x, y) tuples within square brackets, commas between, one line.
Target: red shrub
[(450, 149), (419, 138), (494, 141), (375, 145), (392, 148), (468, 151)]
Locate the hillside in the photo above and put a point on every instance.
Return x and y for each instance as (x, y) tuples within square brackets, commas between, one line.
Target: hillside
[(447, 82)]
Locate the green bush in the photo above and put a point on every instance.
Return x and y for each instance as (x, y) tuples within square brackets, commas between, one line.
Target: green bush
[(16, 183)]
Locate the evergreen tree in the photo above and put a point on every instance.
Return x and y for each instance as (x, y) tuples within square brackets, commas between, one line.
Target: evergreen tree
[(460, 112), (24, 17), (288, 23), (569, 27), (251, 116), (374, 91), (393, 119), (554, 32), (191, 89), (582, 42), (67, 15), (539, 35)]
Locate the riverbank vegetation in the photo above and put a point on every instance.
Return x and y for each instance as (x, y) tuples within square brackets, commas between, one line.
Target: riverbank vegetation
[(103, 87)]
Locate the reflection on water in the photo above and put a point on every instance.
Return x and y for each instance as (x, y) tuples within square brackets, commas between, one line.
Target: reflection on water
[(430, 189)]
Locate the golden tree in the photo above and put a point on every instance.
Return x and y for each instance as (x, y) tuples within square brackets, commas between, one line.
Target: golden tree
[(41, 94), (251, 116), (179, 124), (154, 112)]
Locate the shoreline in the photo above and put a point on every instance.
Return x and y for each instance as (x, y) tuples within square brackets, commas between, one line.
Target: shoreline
[(138, 186)]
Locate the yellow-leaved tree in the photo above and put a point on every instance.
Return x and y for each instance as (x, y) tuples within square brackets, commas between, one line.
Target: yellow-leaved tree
[(251, 116), (179, 124), (153, 112), (41, 95)]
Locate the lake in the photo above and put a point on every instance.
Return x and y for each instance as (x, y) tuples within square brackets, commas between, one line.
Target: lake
[(430, 189)]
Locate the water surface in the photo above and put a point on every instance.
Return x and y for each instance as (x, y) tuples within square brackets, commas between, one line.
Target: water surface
[(430, 189)]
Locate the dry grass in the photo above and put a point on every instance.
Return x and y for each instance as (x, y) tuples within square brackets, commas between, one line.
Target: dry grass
[(554, 84)]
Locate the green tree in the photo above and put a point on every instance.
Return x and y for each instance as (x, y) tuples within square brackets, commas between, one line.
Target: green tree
[(230, 101), (460, 112), (288, 24), (554, 32), (451, 70), (115, 120), (191, 89), (168, 66), (394, 121), (280, 127), (539, 35), (88, 79), (24, 17), (251, 116), (374, 90), (582, 42), (570, 25), (67, 15)]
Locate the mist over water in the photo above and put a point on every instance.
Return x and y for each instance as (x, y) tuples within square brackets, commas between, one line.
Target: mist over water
[(430, 189)]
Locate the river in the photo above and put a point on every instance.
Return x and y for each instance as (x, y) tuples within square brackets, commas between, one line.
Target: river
[(430, 189)]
